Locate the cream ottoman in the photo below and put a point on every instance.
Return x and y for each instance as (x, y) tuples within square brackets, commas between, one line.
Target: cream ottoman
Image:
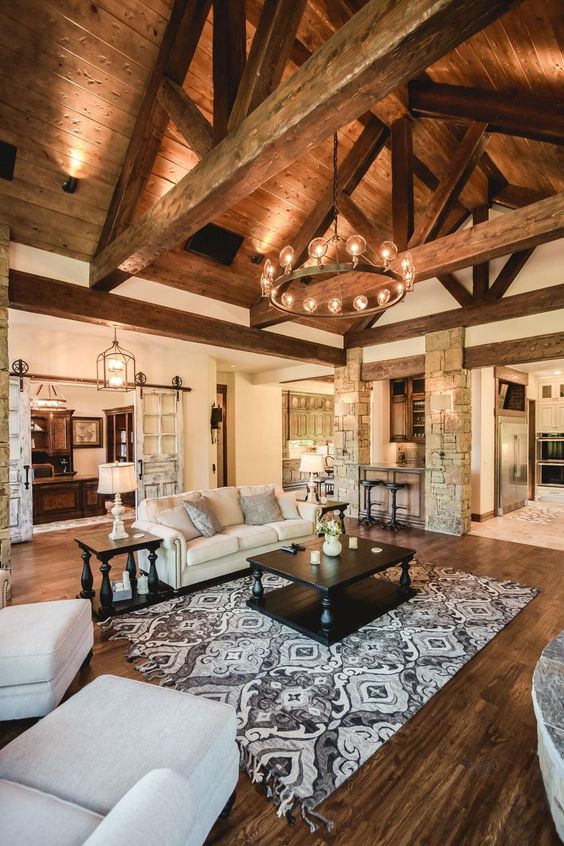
[(42, 647)]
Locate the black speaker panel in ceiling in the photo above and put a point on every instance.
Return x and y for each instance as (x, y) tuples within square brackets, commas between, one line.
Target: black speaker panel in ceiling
[(214, 242), (7, 160)]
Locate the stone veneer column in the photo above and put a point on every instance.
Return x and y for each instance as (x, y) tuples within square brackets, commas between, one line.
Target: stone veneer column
[(4, 388), (352, 428), (447, 435)]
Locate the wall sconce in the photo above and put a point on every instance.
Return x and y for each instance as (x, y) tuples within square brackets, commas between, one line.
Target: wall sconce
[(441, 403), (216, 420), (70, 185)]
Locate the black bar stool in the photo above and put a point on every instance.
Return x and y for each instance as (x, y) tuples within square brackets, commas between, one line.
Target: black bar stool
[(368, 485), (394, 487)]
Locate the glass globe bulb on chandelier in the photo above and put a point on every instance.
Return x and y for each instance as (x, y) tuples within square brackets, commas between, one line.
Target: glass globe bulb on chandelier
[(349, 289)]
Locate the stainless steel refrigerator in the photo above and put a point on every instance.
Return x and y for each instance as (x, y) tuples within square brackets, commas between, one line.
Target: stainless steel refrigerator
[(512, 464)]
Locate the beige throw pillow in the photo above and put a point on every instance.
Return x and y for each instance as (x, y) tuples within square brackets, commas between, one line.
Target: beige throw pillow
[(288, 507), (202, 514), (260, 509), (179, 519)]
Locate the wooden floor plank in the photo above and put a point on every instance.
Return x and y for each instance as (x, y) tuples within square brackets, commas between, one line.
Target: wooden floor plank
[(462, 772)]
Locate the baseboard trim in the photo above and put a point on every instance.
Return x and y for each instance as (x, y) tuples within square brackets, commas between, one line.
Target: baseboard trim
[(481, 518)]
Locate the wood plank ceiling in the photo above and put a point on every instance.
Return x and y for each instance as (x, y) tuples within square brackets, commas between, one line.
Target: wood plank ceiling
[(72, 78)]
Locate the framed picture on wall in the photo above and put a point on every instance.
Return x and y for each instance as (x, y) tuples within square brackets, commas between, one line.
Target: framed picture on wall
[(87, 432)]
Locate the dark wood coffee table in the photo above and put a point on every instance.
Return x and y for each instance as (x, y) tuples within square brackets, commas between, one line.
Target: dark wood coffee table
[(337, 597)]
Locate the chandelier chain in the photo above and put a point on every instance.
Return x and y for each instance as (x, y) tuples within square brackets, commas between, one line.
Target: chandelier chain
[(335, 187)]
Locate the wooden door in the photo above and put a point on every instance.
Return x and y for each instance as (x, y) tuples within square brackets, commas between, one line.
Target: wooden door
[(159, 441), (20, 475)]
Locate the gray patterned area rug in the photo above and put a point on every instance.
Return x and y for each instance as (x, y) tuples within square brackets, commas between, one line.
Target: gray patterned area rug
[(309, 715)]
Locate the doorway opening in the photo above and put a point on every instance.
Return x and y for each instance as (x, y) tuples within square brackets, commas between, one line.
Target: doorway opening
[(222, 466)]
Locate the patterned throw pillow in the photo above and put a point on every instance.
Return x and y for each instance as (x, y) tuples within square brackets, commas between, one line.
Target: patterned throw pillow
[(260, 508), (203, 517)]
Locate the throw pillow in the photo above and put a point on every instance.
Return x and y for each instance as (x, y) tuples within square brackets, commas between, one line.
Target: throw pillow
[(288, 507), (179, 519), (225, 502), (203, 517), (260, 509)]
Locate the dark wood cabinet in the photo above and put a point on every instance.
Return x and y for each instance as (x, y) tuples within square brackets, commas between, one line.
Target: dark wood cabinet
[(120, 440), (51, 439), (66, 499), (407, 409)]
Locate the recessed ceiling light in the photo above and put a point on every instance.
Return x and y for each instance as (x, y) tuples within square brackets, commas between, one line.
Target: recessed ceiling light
[(557, 372)]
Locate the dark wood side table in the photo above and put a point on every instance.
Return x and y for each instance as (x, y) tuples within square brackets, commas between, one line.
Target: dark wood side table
[(104, 549), (335, 505)]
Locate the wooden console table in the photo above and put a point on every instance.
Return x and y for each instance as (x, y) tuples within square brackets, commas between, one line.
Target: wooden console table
[(99, 544)]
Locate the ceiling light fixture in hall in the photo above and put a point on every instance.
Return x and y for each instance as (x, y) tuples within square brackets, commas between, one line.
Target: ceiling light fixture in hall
[(300, 291), (115, 369)]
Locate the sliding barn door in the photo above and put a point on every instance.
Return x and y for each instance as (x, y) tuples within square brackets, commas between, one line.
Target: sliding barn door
[(21, 492), (159, 443)]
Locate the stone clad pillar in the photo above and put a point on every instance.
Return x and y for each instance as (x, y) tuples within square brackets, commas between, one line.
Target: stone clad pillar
[(4, 436), (448, 435), (352, 428)]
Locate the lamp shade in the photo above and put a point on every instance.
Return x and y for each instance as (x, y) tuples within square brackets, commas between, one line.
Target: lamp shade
[(440, 402), (116, 478), (312, 463)]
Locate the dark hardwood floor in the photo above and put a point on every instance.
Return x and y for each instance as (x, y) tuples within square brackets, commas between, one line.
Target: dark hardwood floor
[(463, 771)]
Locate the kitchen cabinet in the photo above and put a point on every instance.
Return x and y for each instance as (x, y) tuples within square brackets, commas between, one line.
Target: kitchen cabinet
[(550, 417), (307, 417), (407, 409), (551, 390)]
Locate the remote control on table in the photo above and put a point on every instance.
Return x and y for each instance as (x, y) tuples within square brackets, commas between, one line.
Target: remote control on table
[(298, 547), (289, 549)]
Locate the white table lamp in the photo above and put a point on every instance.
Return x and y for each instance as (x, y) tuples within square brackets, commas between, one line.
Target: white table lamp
[(312, 463), (116, 479)]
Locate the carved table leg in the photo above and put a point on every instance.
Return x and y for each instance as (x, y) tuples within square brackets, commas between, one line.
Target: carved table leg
[(327, 618), (131, 567), (258, 590), (86, 579), (405, 579), (342, 519), (153, 575), (106, 596)]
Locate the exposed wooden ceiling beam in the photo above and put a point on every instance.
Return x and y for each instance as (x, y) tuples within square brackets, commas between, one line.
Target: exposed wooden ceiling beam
[(190, 122), (509, 113), (402, 182), (516, 196), (531, 302), (365, 60), (360, 222), (509, 233), (508, 274), (463, 163), (396, 368), (481, 271), (516, 351), (40, 295), (229, 53), (455, 289), (269, 53), (177, 48)]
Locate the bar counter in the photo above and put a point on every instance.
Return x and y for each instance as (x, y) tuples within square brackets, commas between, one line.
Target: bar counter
[(410, 500), (66, 497)]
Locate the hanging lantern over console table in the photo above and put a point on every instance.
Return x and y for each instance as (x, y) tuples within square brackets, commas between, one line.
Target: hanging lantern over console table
[(115, 369)]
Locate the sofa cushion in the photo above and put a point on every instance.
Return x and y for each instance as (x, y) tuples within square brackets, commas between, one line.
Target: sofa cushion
[(179, 519), (225, 503), (38, 640), (203, 549), (29, 817), (288, 529), (252, 490), (287, 505), (260, 508), (250, 537), (202, 514)]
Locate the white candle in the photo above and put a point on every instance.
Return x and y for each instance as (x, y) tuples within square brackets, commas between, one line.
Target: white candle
[(315, 556), (353, 543), (143, 584)]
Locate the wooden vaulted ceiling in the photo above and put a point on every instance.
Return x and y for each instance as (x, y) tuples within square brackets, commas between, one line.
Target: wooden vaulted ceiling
[(72, 80)]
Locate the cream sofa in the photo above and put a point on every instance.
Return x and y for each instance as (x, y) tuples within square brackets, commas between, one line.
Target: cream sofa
[(185, 558)]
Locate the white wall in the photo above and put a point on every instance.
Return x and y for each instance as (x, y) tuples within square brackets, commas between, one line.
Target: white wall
[(483, 440), (257, 431), (67, 348)]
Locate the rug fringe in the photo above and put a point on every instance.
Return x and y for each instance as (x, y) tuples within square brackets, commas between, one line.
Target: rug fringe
[(283, 797)]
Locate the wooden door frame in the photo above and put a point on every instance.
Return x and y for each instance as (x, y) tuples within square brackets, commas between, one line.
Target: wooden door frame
[(532, 420), (222, 389)]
